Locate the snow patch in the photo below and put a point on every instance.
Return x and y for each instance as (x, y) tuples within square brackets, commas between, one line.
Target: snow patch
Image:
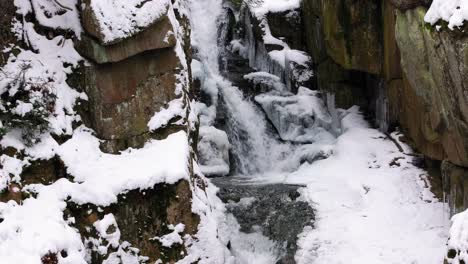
[(455, 12)]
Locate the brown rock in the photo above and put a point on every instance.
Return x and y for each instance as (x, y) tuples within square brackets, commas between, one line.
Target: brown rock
[(436, 65), (124, 96), (143, 215)]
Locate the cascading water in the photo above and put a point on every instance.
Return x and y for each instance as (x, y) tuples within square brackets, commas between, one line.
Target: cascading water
[(254, 148)]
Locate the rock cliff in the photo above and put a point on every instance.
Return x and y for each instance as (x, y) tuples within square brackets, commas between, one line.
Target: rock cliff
[(126, 82)]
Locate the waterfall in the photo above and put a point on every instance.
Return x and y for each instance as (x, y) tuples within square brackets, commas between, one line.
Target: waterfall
[(253, 150)]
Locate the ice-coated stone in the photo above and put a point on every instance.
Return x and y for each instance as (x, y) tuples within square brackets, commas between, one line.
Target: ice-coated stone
[(213, 151), (298, 118)]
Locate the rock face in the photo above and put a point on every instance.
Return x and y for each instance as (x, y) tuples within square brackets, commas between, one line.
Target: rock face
[(125, 95), (437, 68), (141, 215), (128, 80), (382, 56), (351, 31)]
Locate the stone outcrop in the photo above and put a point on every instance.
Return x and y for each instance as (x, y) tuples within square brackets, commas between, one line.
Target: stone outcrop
[(127, 81), (125, 95)]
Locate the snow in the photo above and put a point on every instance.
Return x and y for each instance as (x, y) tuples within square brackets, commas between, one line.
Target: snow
[(98, 179), (52, 14), (213, 151), (103, 227), (369, 211), (162, 118), (458, 240), (22, 108), (455, 12), (46, 66), (266, 79), (11, 167), (38, 225), (298, 118), (274, 6), (119, 19), (173, 237)]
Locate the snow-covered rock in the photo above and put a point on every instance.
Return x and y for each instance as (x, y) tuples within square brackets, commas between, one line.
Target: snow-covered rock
[(213, 151), (114, 20), (298, 118)]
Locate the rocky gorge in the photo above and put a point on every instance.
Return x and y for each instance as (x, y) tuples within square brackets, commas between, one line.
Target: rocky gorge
[(332, 130)]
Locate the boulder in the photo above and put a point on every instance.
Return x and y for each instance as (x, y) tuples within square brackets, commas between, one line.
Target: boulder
[(118, 21)]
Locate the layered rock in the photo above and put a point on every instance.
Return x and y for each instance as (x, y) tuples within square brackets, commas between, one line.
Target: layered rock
[(128, 80)]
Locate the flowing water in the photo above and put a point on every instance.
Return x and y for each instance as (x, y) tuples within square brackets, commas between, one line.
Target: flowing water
[(256, 202)]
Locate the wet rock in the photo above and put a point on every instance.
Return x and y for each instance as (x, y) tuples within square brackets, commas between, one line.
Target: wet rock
[(281, 24), (263, 207)]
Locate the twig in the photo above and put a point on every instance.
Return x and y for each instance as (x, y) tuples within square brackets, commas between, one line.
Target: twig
[(62, 6)]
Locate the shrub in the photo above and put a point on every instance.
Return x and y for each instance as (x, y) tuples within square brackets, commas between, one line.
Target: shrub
[(26, 105)]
